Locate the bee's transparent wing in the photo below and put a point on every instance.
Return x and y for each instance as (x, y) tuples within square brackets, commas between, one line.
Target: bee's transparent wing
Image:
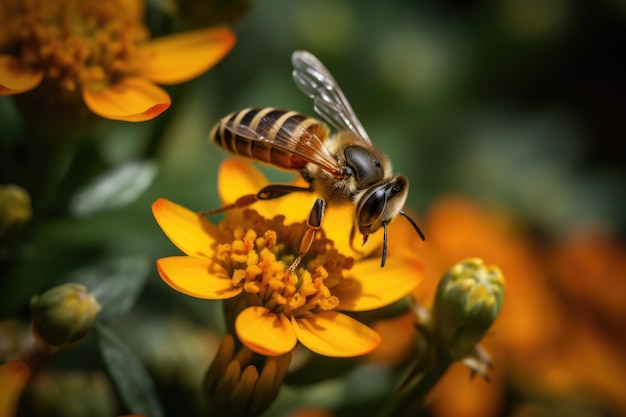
[(302, 143), (314, 80)]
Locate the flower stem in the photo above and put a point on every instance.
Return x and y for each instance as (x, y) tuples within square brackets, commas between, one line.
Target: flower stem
[(409, 399)]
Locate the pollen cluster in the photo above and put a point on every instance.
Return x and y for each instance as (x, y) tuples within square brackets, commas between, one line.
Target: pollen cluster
[(258, 251), (74, 41)]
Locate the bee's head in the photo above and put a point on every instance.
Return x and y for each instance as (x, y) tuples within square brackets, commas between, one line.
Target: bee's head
[(379, 204)]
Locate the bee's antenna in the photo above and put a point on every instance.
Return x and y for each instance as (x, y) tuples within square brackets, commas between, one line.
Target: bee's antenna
[(382, 262), (415, 226)]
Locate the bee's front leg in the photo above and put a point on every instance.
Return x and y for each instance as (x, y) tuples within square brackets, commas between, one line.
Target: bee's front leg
[(241, 202), (314, 223), (269, 192)]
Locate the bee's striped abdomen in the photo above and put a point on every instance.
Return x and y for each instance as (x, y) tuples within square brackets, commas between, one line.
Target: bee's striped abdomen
[(267, 135)]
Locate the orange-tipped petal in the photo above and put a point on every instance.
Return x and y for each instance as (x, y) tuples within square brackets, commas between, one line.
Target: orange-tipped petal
[(13, 378), (16, 78), (131, 99), (190, 232), (197, 277), (177, 58), (330, 333), (369, 286), (264, 332)]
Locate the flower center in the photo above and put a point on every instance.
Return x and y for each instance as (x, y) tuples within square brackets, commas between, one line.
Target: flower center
[(74, 41), (258, 252)]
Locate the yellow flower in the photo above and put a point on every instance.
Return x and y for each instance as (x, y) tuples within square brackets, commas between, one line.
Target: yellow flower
[(245, 259), (101, 50)]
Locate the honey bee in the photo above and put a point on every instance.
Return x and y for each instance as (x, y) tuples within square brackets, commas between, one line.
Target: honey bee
[(344, 168)]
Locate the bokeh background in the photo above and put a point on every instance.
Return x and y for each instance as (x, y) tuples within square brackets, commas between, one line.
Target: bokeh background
[(506, 115)]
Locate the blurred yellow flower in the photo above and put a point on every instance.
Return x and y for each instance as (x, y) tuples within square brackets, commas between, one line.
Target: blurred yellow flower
[(245, 259), (100, 49)]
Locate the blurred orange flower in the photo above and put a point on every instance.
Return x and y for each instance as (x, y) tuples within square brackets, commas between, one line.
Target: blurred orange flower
[(548, 340), (245, 259), (589, 269), (100, 49), (13, 378), (14, 375)]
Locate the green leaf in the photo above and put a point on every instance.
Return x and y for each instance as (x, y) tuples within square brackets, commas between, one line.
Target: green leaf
[(127, 372), (116, 283), (115, 188)]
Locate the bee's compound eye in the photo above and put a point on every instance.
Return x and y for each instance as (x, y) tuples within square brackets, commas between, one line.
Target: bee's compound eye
[(367, 169), (372, 208)]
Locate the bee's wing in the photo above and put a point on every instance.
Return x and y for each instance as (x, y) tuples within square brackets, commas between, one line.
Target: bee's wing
[(301, 143), (314, 80)]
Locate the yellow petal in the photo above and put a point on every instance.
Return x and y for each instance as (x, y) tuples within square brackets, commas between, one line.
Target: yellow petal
[(296, 207), (191, 233), (264, 332), (13, 378), (369, 286), (330, 333), (237, 178), (338, 222), (16, 78), (133, 10), (197, 277), (177, 58), (131, 99)]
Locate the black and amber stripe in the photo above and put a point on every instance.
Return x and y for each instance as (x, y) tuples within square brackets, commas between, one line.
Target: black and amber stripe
[(277, 152)]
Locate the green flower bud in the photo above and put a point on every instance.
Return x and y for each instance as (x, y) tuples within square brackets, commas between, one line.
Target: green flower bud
[(63, 315), (467, 301), (15, 208)]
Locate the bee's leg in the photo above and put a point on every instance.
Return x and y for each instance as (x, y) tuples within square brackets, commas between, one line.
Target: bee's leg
[(278, 190), (241, 202), (267, 193), (384, 257), (314, 223)]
